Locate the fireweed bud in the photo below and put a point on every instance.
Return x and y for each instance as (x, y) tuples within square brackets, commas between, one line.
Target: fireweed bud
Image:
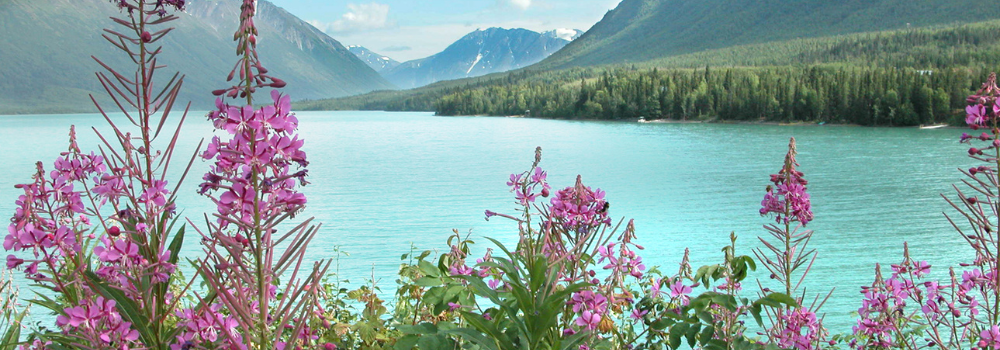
[(973, 171), (146, 37), (114, 231), (545, 192), (218, 92), (971, 200), (326, 323), (973, 151)]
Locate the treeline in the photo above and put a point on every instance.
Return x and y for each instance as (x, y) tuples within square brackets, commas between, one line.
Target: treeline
[(865, 96), (903, 77)]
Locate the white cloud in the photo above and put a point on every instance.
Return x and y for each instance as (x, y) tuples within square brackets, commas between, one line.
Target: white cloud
[(521, 4), (359, 18), (565, 33)]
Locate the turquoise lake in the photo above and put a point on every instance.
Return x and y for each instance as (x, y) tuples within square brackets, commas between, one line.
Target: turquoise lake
[(383, 181)]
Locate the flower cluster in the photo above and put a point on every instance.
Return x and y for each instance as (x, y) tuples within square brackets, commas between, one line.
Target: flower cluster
[(788, 199), (983, 108), (208, 328), (262, 148), (591, 308), (579, 208), (99, 321), (51, 214), (802, 330)]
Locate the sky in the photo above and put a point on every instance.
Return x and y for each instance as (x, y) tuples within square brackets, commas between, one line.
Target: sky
[(412, 29)]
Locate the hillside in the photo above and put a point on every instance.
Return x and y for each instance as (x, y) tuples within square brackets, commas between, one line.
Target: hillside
[(478, 53), (644, 30), (48, 44), (967, 47)]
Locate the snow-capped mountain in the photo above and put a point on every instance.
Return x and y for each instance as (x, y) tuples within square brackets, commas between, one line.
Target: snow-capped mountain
[(378, 62), (481, 52)]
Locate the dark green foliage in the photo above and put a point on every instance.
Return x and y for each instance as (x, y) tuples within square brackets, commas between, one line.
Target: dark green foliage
[(867, 79), (865, 96)]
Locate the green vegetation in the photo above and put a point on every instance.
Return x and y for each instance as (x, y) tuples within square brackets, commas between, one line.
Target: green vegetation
[(644, 30), (904, 77), (873, 96)]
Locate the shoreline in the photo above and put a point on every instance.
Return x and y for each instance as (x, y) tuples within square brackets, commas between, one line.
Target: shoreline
[(711, 121)]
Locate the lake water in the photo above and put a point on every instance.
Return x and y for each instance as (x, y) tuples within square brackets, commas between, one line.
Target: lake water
[(383, 181)]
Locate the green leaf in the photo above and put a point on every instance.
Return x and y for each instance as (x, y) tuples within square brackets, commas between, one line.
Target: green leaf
[(423, 328), (13, 335), (661, 324), (428, 282), (175, 245), (755, 311), (781, 298), (676, 332), (692, 334), (478, 338), (429, 269), (407, 342), (434, 342), (706, 334)]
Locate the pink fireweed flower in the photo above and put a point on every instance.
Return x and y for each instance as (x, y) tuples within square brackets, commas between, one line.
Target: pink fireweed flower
[(788, 198), (802, 330), (263, 143), (589, 319), (155, 194), (991, 337), (976, 116), (638, 314), (580, 207), (654, 290)]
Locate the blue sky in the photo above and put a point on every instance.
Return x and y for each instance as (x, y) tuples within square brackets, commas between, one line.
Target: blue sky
[(411, 29)]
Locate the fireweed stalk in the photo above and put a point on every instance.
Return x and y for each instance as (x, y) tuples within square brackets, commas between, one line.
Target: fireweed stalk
[(115, 206), (574, 232), (909, 311), (254, 182), (786, 252)]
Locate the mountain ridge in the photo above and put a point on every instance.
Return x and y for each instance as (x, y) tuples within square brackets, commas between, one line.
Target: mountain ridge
[(47, 48), (481, 52), (643, 30)]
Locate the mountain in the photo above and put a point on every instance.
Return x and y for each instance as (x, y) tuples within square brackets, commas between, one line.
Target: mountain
[(962, 49), (377, 62), (478, 53), (642, 30), (47, 47)]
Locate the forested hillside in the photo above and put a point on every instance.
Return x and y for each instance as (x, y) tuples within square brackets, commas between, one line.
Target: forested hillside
[(845, 78), (643, 30), (865, 96)]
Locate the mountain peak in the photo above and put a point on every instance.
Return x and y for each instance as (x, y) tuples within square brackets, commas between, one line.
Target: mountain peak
[(374, 60), (480, 52)]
